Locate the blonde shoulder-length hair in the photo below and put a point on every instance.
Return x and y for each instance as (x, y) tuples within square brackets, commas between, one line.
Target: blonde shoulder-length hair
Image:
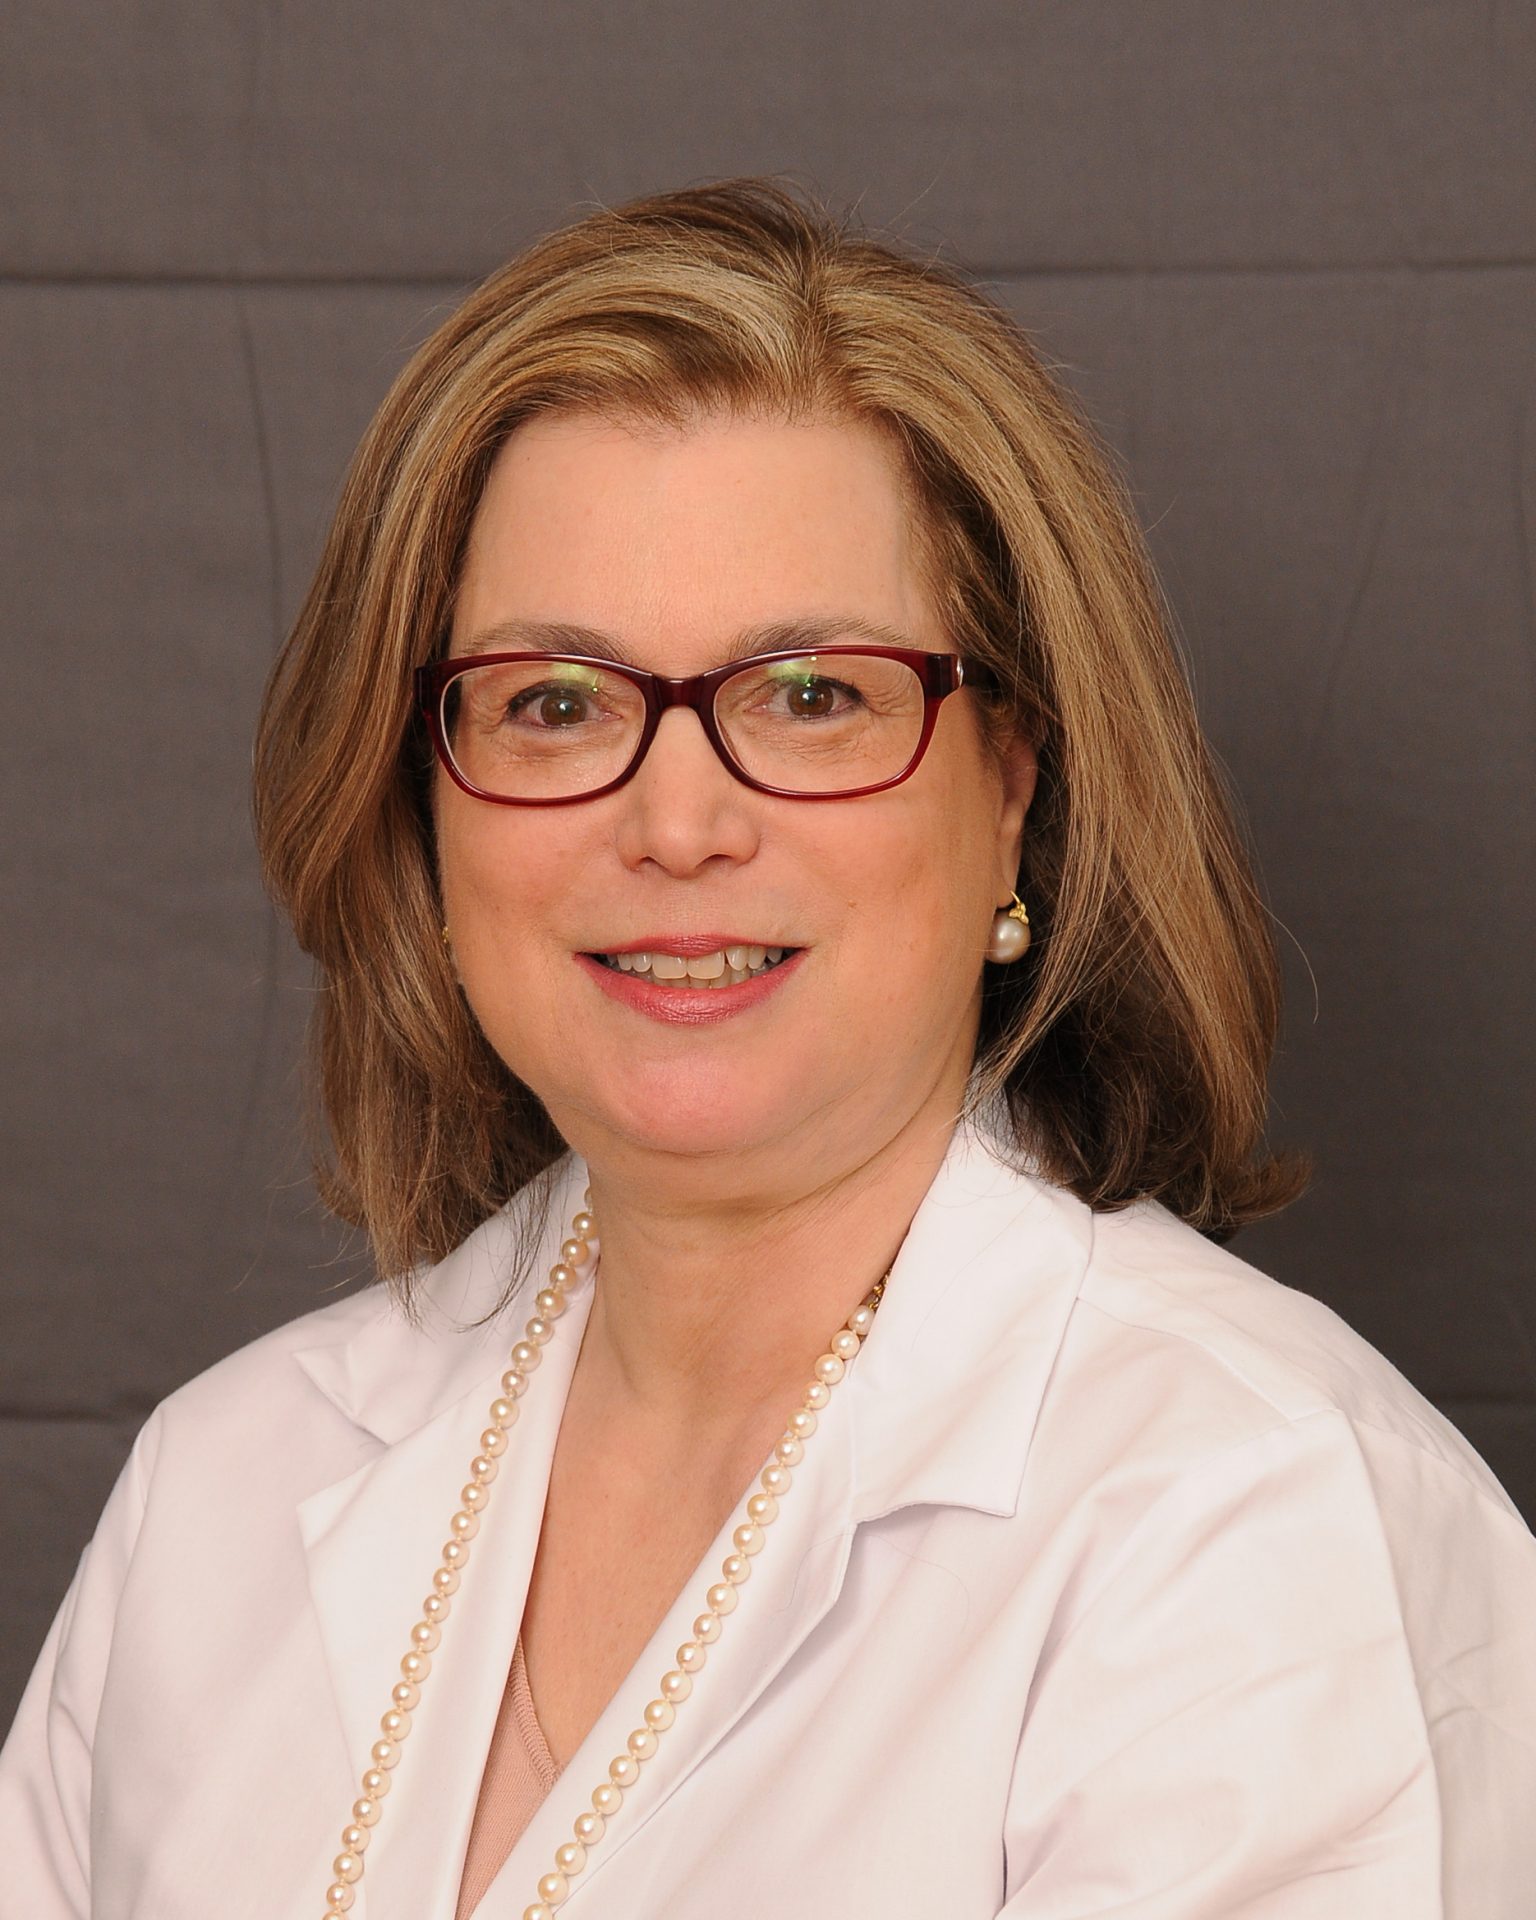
[(1130, 1048)]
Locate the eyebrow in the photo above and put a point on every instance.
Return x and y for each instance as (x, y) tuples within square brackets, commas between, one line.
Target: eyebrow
[(773, 636)]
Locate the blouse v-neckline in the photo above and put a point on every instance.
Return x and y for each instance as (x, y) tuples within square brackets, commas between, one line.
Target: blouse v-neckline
[(520, 1770)]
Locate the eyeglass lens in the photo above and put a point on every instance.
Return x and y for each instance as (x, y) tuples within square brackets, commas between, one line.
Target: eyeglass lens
[(552, 729)]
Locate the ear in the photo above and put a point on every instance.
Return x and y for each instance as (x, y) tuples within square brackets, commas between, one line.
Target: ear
[(1019, 770)]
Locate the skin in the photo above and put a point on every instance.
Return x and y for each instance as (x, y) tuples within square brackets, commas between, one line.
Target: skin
[(751, 1179)]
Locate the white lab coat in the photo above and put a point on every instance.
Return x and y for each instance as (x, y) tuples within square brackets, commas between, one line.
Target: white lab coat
[(1118, 1579)]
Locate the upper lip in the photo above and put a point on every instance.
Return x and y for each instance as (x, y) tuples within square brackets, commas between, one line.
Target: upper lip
[(690, 946)]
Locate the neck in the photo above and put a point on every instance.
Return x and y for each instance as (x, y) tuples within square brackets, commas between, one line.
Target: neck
[(711, 1309)]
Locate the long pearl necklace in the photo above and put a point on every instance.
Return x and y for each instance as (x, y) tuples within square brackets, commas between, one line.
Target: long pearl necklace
[(676, 1685)]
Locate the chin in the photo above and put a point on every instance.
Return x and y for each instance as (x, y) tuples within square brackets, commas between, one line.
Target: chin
[(688, 1109)]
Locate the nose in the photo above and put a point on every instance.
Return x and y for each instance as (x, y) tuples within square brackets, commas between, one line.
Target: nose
[(683, 807)]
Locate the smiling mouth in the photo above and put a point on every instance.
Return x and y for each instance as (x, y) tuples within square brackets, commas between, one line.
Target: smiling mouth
[(725, 967)]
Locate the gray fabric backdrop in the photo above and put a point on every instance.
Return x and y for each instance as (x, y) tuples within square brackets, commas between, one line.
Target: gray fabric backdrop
[(1284, 254)]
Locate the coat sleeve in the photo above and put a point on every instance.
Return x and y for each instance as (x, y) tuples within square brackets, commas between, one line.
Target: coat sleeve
[(45, 1764), (1304, 1689)]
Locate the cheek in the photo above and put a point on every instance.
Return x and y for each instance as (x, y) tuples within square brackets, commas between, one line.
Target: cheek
[(502, 882), (952, 837), (925, 898)]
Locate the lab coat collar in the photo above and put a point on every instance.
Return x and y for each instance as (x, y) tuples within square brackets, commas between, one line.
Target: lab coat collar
[(939, 1407), (393, 1375), (947, 1388)]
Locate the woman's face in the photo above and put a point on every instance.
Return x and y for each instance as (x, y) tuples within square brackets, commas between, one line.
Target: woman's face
[(672, 543)]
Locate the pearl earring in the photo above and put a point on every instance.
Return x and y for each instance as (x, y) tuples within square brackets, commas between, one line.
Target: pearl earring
[(1010, 933)]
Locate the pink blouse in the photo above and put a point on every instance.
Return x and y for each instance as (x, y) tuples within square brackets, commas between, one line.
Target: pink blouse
[(519, 1772)]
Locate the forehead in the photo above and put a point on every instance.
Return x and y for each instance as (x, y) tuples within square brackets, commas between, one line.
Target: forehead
[(691, 534)]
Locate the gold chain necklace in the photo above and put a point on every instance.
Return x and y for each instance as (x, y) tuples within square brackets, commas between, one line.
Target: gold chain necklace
[(675, 1685)]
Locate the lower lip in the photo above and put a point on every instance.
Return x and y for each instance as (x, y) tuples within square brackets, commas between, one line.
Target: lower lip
[(688, 1006)]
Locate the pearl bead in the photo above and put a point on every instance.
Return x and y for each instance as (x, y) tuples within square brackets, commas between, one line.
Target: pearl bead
[(706, 1628), (763, 1509), (394, 1725), (584, 1227), (347, 1866), (554, 1887), (817, 1395), (436, 1608), (588, 1828), (385, 1755), (571, 1857), (830, 1369), (539, 1330), (446, 1580), (691, 1656), (801, 1423), (737, 1568), (406, 1696), (1008, 940), (425, 1636), (502, 1414), (416, 1666), (355, 1838), (862, 1318), (749, 1539), (456, 1554), (659, 1714), (624, 1770), (721, 1598), (366, 1811), (526, 1356), (550, 1301), (465, 1525), (845, 1344), (563, 1276), (376, 1783), (474, 1496), (514, 1382), (642, 1743), (676, 1685), (574, 1253), (586, 1197), (606, 1798), (789, 1450), (339, 1897), (483, 1467), (539, 1911)]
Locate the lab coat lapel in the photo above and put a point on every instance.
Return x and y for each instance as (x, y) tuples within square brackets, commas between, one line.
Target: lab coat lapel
[(372, 1540)]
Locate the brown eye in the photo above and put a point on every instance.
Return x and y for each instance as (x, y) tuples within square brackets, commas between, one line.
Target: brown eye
[(811, 697), (562, 708)]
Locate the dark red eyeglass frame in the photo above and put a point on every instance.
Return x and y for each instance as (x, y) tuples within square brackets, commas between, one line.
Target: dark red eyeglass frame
[(941, 674)]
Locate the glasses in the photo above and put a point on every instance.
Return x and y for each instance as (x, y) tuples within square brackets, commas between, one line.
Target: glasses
[(544, 729)]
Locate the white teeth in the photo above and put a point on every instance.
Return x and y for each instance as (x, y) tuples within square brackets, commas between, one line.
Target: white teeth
[(725, 967)]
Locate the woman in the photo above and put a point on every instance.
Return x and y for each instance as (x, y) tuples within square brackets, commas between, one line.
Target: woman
[(887, 1496)]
